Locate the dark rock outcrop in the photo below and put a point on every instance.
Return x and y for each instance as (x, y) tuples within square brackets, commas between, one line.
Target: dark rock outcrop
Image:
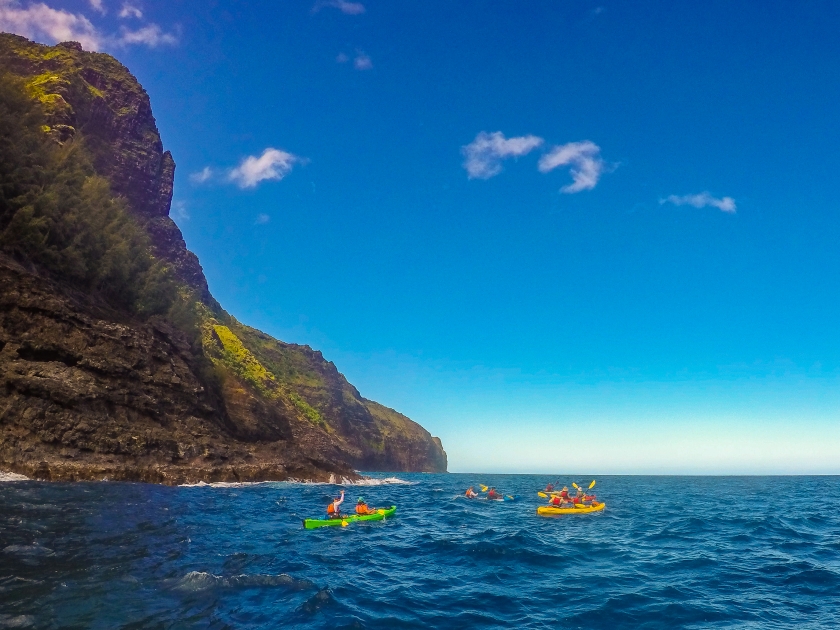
[(91, 391)]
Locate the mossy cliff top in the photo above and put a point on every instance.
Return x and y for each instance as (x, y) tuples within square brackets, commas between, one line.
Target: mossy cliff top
[(273, 407)]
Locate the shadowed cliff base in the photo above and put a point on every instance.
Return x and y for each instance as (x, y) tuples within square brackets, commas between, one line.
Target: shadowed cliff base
[(116, 362)]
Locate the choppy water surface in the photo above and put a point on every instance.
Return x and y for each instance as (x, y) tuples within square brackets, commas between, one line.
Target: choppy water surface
[(667, 552)]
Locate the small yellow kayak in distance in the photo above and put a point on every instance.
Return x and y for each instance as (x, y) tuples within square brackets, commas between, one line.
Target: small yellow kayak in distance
[(548, 510)]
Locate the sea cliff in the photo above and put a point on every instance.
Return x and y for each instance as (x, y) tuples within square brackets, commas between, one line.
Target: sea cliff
[(115, 360)]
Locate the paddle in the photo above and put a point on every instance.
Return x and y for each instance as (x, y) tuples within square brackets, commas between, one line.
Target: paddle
[(483, 487), (592, 485), (542, 494)]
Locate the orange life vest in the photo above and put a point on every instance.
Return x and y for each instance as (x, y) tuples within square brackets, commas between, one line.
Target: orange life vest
[(361, 508), (331, 508)]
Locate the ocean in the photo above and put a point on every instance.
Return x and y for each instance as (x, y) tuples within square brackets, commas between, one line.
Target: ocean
[(667, 552)]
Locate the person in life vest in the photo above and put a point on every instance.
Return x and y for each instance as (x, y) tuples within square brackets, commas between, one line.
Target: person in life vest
[(565, 492), (471, 493), (333, 510), (493, 495), (362, 508), (557, 501), (549, 487)]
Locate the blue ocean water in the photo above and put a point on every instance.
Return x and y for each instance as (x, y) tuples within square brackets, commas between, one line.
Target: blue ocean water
[(668, 552)]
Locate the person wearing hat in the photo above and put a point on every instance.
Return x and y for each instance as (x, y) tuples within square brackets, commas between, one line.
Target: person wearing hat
[(362, 508)]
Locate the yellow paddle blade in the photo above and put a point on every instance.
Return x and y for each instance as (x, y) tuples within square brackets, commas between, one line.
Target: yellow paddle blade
[(580, 506), (344, 523), (380, 511), (575, 486), (543, 495), (483, 488), (592, 485)]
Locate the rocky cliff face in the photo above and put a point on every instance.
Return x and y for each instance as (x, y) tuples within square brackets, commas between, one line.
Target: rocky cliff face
[(90, 390)]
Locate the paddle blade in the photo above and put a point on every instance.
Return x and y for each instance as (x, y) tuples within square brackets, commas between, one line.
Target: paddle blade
[(483, 488), (380, 511), (543, 495), (580, 506), (575, 486), (592, 485), (344, 523)]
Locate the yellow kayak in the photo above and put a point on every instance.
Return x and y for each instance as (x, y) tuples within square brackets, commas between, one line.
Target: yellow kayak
[(548, 510)]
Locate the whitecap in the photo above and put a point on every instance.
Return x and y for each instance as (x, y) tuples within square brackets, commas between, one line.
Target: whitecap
[(16, 621), (10, 476), (196, 581)]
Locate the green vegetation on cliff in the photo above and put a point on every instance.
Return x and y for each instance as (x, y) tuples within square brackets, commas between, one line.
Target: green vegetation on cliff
[(55, 211)]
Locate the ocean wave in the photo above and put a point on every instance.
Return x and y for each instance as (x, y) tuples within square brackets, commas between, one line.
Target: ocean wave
[(16, 621), (333, 481), (10, 476), (196, 581)]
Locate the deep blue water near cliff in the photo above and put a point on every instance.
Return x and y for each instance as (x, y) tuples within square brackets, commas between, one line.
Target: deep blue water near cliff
[(687, 552)]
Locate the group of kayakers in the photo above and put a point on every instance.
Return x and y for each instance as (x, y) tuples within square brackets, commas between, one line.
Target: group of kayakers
[(334, 508), (556, 498), (562, 498), (492, 493)]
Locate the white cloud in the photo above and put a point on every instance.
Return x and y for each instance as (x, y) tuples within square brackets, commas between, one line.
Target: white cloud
[(38, 20), (702, 200), (129, 11), (362, 61), (201, 176), (151, 35), (349, 8), (272, 164), (97, 5), (483, 156), (41, 22), (584, 159), (262, 219), (342, 58)]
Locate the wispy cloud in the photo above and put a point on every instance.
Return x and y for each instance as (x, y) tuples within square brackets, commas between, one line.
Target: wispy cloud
[(362, 61), (272, 164), (150, 35), (702, 200), (202, 176), (97, 6), (38, 20), (584, 159), (483, 156), (262, 219), (41, 22), (342, 58), (130, 11), (349, 8), (179, 211)]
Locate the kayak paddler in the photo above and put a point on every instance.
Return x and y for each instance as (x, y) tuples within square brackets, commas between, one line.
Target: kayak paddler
[(333, 510), (362, 508), (565, 492), (556, 501), (493, 495), (549, 487), (471, 493)]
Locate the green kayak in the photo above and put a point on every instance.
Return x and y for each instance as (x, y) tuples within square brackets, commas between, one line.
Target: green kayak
[(381, 513)]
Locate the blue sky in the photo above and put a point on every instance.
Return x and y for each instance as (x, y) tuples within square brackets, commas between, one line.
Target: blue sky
[(567, 235)]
